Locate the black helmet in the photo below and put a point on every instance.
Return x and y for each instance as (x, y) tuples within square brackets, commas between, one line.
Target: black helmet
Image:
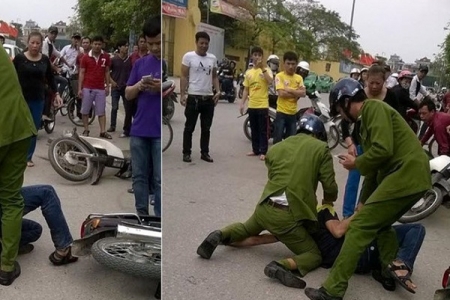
[(313, 124), (52, 29), (344, 88), (423, 68)]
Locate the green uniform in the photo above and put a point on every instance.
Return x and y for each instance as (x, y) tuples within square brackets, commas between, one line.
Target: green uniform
[(397, 173), (295, 167), (17, 128)]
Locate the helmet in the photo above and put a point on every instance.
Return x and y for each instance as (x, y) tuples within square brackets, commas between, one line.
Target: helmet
[(53, 29), (274, 57), (423, 68), (313, 124), (395, 75), (364, 70), (344, 88), (405, 74), (355, 71), (304, 65)]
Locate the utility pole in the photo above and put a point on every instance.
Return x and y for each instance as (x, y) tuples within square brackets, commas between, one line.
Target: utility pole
[(351, 21), (208, 4)]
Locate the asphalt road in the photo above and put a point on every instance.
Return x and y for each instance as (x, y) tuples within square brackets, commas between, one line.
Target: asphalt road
[(85, 279), (200, 197)]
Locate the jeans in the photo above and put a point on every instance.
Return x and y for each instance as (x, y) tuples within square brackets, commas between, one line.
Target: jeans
[(410, 238), (31, 232), (351, 189), (196, 106), (128, 105), (285, 126), (45, 197), (36, 109), (259, 124), (144, 152)]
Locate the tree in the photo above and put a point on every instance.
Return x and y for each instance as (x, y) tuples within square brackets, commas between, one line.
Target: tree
[(113, 19)]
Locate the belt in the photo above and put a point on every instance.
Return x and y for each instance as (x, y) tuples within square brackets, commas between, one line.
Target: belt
[(201, 97), (277, 205)]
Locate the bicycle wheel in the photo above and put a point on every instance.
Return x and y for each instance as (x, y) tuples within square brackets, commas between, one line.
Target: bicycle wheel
[(167, 134), (72, 111)]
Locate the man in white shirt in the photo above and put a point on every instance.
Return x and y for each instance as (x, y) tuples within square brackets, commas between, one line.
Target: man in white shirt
[(198, 75), (70, 54), (417, 88)]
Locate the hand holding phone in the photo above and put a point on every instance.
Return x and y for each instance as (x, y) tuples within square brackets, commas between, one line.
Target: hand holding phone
[(147, 78)]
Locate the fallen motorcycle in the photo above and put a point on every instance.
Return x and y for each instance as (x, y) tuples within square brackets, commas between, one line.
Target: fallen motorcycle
[(431, 201), (77, 158), (124, 242)]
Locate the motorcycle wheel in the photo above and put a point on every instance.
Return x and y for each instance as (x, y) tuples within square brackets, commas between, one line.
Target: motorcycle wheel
[(241, 93), (333, 137), (231, 99), (342, 142), (128, 256), (167, 131), (72, 108), (247, 130), (70, 168), (424, 207), (433, 148)]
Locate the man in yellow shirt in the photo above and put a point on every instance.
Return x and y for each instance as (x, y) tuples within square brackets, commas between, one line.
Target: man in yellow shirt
[(290, 87), (256, 88)]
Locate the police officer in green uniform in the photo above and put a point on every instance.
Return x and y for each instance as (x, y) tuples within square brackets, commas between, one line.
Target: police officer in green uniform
[(287, 207), (16, 130), (397, 174)]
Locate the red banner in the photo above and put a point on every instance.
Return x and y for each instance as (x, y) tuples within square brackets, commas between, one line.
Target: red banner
[(174, 10)]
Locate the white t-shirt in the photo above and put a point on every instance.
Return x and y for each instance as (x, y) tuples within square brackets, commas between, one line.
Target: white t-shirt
[(200, 72)]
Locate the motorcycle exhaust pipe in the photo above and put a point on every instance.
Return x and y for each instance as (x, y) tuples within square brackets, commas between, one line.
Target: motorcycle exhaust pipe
[(79, 154), (138, 232)]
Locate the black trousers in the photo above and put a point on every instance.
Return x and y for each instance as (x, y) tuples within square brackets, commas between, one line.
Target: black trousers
[(259, 123), (195, 106)]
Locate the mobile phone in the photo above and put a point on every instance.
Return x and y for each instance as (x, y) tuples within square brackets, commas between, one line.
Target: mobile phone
[(147, 78), (341, 157)]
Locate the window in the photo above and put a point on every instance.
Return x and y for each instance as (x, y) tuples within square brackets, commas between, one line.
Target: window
[(327, 67)]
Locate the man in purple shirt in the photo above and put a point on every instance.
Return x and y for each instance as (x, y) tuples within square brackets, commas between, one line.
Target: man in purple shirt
[(437, 124), (145, 141)]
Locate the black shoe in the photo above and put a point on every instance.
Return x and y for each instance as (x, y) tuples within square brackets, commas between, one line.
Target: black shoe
[(388, 283), (187, 158), (277, 271), (210, 244), (207, 158), (7, 278), (111, 129), (25, 249), (131, 191), (319, 294)]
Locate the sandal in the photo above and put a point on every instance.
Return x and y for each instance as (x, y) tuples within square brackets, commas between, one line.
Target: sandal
[(402, 280), (105, 135), (59, 260), (30, 164), (85, 133)]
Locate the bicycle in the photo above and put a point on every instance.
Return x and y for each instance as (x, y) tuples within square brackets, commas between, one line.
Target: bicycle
[(168, 142)]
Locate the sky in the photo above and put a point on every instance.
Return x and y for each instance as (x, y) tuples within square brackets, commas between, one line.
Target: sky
[(410, 28)]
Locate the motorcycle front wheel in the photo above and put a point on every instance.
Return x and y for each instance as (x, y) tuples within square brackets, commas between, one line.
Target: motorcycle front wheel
[(247, 129), (333, 137), (128, 256), (70, 167), (167, 134), (426, 206)]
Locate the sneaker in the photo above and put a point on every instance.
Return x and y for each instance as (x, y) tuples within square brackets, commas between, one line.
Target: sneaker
[(131, 191), (111, 129), (123, 135), (85, 133), (7, 278), (76, 119), (152, 200), (277, 271), (210, 244), (46, 118)]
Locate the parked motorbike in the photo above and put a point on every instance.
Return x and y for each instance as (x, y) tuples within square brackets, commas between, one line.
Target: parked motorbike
[(430, 202), (77, 158), (317, 108), (444, 293), (240, 84), (227, 88), (124, 242), (169, 99)]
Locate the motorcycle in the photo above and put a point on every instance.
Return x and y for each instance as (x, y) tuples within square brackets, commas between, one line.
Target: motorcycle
[(77, 158), (124, 242), (317, 108), (169, 99), (228, 90), (430, 202), (240, 84), (444, 293)]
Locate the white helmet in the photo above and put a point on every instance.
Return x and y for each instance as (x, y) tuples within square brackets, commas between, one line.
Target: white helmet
[(395, 75), (355, 71), (272, 56), (304, 65)]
